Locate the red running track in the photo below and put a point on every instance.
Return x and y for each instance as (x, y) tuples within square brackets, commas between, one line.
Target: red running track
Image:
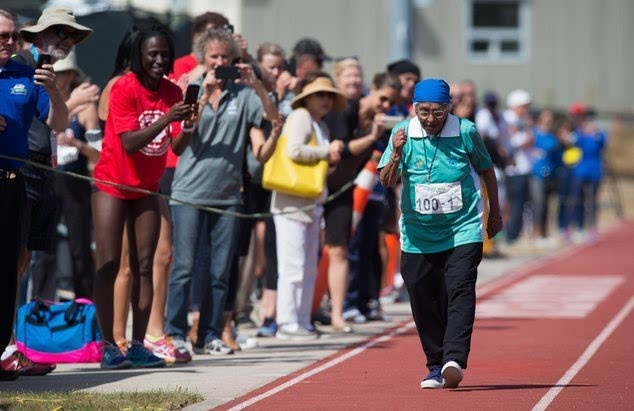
[(519, 363)]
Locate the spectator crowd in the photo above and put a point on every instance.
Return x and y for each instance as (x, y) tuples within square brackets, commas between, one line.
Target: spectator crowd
[(202, 130)]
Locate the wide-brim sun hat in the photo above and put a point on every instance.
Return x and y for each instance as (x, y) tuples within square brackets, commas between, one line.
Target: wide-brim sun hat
[(69, 63), (55, 16), (317, 85)]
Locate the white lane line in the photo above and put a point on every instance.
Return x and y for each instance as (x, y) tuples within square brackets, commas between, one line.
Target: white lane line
[(585, 357), (323, 367), (550, 296)]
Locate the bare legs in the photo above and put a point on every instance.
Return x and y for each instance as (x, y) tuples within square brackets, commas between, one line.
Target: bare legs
[(338, 282), (162, 264), (109, 214), (122, 292)]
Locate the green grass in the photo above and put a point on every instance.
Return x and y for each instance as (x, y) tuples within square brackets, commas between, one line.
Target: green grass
[(74, 400)]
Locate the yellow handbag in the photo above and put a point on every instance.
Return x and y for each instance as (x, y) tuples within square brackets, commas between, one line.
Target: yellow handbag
[(289, 177)]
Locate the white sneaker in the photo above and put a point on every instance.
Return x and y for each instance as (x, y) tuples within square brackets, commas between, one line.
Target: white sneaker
[(433, 380), (302, 334), (452, 374), (246, 343), (214, 347), (355, 316)]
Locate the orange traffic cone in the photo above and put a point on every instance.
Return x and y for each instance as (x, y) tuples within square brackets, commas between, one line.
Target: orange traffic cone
[(321, 283), (365, 182), (391, 241)]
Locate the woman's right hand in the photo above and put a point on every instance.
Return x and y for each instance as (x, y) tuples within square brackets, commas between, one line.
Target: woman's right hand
[(210, 82), (378, 128), (398, 140), (283, 84)]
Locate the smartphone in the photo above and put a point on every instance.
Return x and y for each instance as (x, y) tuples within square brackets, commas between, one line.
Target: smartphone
[(391, 121), (43, 59), (191, 94), (228, 28), (227, 73)]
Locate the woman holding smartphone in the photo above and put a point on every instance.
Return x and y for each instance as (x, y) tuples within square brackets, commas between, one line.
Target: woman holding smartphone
[(145, 115), (209, 173)]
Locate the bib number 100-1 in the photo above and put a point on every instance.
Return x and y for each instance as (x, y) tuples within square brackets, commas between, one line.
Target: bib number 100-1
[(438, 198)]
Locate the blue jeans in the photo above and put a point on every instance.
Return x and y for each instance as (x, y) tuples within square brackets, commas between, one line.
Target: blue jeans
[(518, 191), (584, 194), (208, 241)]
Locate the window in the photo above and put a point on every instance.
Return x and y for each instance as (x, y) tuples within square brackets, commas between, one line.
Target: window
[(497, 30)]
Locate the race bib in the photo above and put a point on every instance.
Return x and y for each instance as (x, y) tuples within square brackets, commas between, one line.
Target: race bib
[(438, 198)]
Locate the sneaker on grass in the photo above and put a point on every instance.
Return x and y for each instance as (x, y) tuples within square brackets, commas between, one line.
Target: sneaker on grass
[(141, 357), (213, 347), (301, 334), (113, 359), (433, 380), (452, 373), (165, 347), (18, 362)]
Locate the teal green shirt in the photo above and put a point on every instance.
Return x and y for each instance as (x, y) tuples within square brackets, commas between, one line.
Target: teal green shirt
[(459, 156)]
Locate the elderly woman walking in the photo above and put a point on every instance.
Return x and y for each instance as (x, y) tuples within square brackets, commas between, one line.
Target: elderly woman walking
[(441, 158)]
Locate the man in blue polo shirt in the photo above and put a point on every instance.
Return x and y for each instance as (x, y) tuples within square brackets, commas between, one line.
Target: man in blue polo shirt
[(441, 159), (24, 95)]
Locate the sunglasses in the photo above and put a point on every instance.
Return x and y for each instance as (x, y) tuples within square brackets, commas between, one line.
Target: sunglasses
[(15, 36), (64, 32)]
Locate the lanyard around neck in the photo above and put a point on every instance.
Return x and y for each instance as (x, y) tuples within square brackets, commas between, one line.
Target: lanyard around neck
[(429, 166)]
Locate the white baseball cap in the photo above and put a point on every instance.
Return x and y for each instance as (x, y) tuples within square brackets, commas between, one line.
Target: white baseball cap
[(517, 98)]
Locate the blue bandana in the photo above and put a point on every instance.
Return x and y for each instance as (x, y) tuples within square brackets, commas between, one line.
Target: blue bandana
[(432, 90)]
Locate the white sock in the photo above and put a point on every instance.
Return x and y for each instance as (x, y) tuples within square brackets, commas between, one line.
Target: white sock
[(8, 351), (398, 280)]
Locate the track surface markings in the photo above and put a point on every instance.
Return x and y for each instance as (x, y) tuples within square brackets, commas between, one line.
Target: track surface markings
[(550, 296), (580, 340)]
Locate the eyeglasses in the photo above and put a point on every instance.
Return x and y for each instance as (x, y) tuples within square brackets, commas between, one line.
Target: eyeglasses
[(63, 33), (15, 36), (437, 114)]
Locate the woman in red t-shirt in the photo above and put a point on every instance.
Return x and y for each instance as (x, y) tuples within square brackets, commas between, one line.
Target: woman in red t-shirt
[(145, 114)]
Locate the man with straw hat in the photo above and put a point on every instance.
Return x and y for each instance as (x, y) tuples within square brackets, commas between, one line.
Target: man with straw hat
[(55, 34)]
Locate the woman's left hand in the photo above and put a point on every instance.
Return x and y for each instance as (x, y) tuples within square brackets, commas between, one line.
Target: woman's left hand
[(247, 76), (278, 124), (494, 225)]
